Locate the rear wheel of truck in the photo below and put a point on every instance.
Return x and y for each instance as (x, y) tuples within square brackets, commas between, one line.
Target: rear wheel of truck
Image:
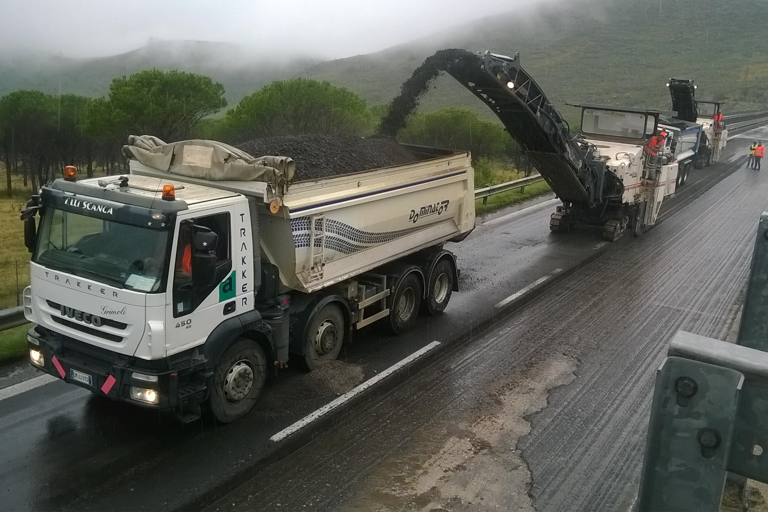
[(324, 337), (405, 304), (239, 377), (440, 288)]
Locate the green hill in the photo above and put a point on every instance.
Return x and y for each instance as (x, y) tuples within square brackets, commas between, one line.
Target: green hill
[(608, 51)]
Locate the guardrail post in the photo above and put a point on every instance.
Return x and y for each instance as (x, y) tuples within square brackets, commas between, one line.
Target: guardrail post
[(689, 436), (710, 408)]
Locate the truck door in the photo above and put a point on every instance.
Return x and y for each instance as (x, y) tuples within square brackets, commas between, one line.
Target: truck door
[(202, 291)]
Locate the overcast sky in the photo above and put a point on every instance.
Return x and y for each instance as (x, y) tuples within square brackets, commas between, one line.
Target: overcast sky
[(323, 28)]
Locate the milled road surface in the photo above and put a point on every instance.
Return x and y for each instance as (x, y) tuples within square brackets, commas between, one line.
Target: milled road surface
[(549, 410), (65, 449)]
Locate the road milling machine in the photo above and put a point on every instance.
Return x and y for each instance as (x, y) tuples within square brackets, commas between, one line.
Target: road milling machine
[(707, 114), (608, 175)]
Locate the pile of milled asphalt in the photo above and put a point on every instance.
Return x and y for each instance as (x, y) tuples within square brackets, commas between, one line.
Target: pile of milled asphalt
[(322, 156)]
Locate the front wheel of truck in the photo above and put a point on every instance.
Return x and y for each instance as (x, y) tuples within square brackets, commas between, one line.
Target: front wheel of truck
[(240, 375), (324, 337)]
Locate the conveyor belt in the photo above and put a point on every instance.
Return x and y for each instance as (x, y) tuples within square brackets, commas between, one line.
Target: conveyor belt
[(563, 160), (683, 95)]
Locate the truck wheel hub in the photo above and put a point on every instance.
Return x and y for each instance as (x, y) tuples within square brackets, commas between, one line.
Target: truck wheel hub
[(325, 338), (406, 304), (440, 290), (239, 381)]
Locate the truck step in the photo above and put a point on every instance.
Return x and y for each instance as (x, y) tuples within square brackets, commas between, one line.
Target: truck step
[(189, 390)]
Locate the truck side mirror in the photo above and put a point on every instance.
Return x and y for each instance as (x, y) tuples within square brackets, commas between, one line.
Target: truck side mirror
[(28, 216), (30, 233), (204, 257)]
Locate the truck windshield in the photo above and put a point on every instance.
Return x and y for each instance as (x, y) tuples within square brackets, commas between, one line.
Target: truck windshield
[(109, 252), (629, 125)]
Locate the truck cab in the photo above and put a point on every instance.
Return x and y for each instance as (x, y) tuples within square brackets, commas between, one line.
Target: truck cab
[(130, 276)]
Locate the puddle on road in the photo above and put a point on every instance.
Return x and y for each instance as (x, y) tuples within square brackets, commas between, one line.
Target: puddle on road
[(468, 463)]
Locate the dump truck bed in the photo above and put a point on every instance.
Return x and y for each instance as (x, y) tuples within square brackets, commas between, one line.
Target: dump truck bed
[(327, 230)]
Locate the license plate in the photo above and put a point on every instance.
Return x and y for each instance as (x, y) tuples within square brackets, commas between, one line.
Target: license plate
[(80, 377)]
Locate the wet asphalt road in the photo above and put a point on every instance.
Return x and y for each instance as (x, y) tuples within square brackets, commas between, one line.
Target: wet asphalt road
[(612, 320), (65, 449)]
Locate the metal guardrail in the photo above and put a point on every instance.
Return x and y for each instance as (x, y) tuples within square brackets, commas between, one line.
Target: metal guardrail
[(744, 119), (12, 317), (484, 193)]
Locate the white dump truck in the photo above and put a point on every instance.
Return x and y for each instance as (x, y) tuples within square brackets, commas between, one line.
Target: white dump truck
[(189, 281)]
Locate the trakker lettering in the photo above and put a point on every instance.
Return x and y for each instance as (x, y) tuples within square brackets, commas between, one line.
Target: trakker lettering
[(76, 283), (430, 209), (80, 316), (89, 206)]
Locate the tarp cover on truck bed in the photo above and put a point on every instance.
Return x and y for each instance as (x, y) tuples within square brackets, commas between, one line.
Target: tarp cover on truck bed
[(208, 160)]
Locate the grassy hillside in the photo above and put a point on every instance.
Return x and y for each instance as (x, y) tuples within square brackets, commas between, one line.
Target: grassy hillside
[(240, 72), (606, 51)]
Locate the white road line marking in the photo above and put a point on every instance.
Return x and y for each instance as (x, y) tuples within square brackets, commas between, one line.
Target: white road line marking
[(601, 244), (25, 386), (306, 420), (520, 212), (527, 288), (733, 158)]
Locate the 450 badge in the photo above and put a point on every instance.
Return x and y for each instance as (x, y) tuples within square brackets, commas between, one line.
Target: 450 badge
[(427, 210)]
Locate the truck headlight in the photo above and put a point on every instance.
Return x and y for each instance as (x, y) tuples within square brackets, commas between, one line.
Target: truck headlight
[(145, 395), (36, 357)]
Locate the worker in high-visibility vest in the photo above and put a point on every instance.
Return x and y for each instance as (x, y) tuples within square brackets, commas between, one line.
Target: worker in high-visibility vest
[(751, 159), (718, 121), (656, 143), (759, 154)]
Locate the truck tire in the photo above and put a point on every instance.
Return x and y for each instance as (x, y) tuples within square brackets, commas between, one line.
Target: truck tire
[(324, 337), (406, 303), (440, 289), (238, 379)]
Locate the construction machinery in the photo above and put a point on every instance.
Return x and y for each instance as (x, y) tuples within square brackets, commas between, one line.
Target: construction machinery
[(606, 176), (707, 114)]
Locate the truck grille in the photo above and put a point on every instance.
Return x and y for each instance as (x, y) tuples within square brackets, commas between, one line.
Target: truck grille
[(92, 330), (87, 330), (104, 321)]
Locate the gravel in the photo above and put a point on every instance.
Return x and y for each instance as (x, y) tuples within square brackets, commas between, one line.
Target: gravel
[(323, 156)]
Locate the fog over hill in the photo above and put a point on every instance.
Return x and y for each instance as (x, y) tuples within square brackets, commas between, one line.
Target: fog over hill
[(240, 70), (608, 51)]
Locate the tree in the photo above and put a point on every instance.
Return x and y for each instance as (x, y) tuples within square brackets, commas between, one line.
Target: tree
[(295, 107), (166, 104), (27, 133), (457, 128)]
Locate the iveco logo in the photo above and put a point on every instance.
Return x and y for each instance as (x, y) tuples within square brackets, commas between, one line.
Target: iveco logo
[(80, 316)]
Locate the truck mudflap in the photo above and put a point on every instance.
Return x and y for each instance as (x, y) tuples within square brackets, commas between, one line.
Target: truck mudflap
[(115, 377)]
